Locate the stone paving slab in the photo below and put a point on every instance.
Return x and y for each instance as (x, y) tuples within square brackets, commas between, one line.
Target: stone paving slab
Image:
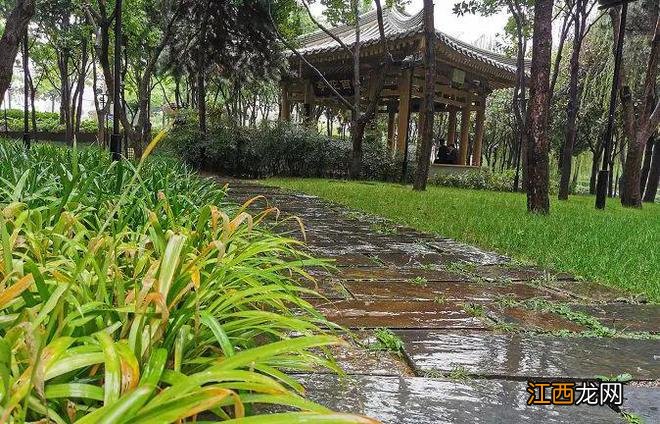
[(397, 314), (467, 253), (590, 292), (391, 276), (643, 402), (331, 289), (530, 356), (446, 290), (625, 317), (355, 260), (356, 359), (515, 273), (534, 320), (417, 400), (398, 274)]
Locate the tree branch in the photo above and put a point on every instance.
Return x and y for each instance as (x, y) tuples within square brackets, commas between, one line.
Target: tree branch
[(289, 46), (324, 29)]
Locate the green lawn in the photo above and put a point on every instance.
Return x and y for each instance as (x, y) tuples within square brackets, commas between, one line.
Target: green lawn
[(619, 247)]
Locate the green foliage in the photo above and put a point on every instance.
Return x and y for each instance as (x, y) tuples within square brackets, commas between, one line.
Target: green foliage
[(595, 328), (620, 378), (487, 179), (631, 418), (150, 302), (474, 309), (46, 121), (617, 246), (419, 281), (386, 340), (383, 228), (483, 179), (280, 149)]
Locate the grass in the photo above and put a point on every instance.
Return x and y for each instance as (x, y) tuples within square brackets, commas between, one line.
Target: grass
[(618, 246), (147, 302), (386, 340), (418, 281)]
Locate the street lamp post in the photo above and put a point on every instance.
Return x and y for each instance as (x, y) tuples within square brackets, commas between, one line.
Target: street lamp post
[(115, 140), (516, 179), (103, 124), (26, 121), (604, 173), (4, 104)]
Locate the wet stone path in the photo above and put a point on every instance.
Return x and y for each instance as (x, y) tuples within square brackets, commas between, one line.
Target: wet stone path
[(471, 327)]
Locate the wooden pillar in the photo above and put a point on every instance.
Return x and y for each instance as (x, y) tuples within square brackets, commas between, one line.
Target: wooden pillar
[(451, 133), (405, 85), (479, 133), (285, 107), (391, 135), (308, 103), (465, 136)]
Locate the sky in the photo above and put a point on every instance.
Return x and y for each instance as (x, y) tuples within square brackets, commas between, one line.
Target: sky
[(469, 28), (472, 29)]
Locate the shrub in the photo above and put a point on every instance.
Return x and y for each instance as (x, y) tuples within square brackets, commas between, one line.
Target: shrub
[(479, 179), (278, 149), (46, 122), (152, 302)]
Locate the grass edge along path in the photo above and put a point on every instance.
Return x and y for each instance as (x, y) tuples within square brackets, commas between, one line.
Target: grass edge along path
[(618, 247)]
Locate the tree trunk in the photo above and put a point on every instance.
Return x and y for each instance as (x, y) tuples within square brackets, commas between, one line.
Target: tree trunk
[(595, 161), (26, 90), (66, 114), (428, 110), (82, 76), (537, 128), (357, 135), (15, 26), (654, 175), (571, 109), (357, 127), (645, 123), (201, 79), (576, 173), (630, 193), (33, 94), (646, 166)]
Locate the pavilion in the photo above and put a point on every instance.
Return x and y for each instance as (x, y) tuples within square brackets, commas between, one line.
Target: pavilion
[(466, 75)]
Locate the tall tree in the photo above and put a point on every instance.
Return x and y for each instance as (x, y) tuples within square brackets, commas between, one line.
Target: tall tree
[(428, 110), (581, 9), (641, 120), (538, 180), (338, 11), (654, 174), (17, 23), (518, 31), (65, 34)]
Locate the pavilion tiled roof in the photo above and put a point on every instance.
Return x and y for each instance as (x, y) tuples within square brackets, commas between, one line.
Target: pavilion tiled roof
[(397, 26)]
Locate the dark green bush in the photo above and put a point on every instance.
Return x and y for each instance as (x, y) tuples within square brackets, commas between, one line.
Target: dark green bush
[(278, 149), (46, 122), (482, 179)]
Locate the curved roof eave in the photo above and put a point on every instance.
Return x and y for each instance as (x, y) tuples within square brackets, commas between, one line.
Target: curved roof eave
[(398, 27)]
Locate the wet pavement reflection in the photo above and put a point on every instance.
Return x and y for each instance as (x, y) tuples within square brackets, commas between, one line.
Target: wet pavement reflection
[(459, 311)]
